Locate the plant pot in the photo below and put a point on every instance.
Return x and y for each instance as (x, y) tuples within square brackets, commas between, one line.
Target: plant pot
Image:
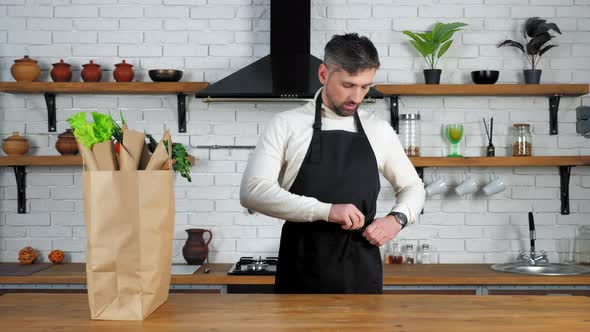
[(432, 76), (25, 70), (91, 72), (532, 76), (61, 72), (15, 145), (195, 249), (123, 72), (66, 143)]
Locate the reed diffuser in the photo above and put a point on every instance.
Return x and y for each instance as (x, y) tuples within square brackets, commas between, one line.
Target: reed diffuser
[(490, 150)]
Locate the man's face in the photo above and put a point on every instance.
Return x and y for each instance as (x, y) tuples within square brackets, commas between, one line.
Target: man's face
[(343, 92)]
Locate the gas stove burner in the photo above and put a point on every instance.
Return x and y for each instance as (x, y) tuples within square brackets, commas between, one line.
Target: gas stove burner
[(251, 266)]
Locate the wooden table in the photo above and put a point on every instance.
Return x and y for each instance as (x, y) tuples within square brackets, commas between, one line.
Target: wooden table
[(264, 312)]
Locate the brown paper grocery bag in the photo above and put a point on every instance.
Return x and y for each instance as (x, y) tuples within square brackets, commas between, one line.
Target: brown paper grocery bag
[(105, 156), (129, 245)]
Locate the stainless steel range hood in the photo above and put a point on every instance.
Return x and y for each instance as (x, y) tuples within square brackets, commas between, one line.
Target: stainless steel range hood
[(288, 73)]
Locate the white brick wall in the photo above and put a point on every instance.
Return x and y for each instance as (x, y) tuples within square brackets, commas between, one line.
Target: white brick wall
[(209, 39)]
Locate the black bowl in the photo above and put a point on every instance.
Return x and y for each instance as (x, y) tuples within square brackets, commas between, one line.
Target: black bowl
[(485, 76), (165, 75)]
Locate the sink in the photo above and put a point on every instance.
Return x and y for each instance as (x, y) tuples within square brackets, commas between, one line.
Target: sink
[(549, 269)]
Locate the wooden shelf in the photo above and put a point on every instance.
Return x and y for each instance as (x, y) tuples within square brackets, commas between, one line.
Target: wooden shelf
[(501, 161), (103, 87), (483, 89), (49, 161)]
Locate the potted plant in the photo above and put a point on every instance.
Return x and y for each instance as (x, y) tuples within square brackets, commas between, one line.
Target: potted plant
[(536, 35), (432, 45)]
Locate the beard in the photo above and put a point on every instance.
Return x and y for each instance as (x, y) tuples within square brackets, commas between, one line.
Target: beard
[(343, 109)]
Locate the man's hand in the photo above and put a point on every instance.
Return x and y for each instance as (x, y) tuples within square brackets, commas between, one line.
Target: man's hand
[(347, 215), (381, 230)]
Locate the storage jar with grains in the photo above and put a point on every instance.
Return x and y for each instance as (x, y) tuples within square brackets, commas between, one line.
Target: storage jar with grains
[(409, 134), (522, 144)]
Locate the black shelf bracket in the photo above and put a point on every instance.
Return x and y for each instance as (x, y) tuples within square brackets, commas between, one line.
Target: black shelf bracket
[(50, 101), (553, 108), (564, 194), (420, 171), (394, 109), (181, 112), (21, 185)]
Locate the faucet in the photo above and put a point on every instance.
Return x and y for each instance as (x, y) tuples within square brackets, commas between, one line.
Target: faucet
[(532, 259)]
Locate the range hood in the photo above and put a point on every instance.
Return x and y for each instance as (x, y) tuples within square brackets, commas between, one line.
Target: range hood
[(288, 73)]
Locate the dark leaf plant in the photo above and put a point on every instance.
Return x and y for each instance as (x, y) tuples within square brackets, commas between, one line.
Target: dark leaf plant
[(432, 45), (536, 35)]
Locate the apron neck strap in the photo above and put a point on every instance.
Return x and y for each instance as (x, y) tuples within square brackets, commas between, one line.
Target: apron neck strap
[(317, 124)]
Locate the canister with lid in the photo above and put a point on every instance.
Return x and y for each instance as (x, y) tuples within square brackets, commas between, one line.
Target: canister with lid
[(409, 133)]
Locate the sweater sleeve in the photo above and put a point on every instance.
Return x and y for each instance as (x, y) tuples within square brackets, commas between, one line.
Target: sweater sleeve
[(260, 189), (399, 171)]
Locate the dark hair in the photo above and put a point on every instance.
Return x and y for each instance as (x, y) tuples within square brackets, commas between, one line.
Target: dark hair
[(351, 52)]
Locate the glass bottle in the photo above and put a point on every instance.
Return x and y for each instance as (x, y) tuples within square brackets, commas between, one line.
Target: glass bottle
[(393, 255), (424, 257), (410, 257), (522, 144), (409, 134)]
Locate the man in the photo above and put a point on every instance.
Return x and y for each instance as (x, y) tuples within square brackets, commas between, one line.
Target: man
[(317, 167)]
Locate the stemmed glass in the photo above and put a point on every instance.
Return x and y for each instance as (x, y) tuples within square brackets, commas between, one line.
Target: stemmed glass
[(454, 133)]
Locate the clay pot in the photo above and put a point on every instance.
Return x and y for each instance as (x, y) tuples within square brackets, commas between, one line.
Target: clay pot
[(91, 72), (66, 143), (123, 72), (25, 70), (61, 72), (195, 249), (15, 145)]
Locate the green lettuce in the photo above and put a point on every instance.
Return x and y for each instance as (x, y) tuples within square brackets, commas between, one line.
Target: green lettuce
[(90, 133)]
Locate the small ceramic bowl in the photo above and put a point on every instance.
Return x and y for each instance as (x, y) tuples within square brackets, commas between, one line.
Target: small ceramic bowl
[(165, 75), (485, 76)]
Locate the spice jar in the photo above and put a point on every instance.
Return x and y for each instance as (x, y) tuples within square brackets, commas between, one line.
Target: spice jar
[(409, 134), (393, 255), (410, 257), (522, 144), (424, 256)]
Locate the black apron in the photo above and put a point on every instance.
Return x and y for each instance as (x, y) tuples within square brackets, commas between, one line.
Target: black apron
[(320, 257)]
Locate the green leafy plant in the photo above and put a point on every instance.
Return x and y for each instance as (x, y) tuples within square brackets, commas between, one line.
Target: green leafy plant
[(432, 45), (536, 34), (182, 163)]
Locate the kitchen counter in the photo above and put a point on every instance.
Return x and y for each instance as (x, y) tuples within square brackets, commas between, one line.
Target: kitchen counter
[(266, 312), (431, 274)]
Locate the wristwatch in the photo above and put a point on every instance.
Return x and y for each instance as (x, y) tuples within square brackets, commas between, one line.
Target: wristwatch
[(401, 218)]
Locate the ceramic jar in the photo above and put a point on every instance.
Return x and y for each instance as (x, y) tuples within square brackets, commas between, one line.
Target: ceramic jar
[(15, 145), (66, 143), (25, 70), (123, 72), (61, 72), (195, 250), (91, 72)]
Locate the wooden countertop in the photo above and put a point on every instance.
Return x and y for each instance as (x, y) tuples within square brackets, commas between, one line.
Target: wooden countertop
[(431, 274), (270, 312)]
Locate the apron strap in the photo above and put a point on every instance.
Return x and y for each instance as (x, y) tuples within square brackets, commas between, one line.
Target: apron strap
[(315, 153)]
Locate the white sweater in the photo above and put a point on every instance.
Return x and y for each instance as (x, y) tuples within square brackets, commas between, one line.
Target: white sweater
[(280, 151)]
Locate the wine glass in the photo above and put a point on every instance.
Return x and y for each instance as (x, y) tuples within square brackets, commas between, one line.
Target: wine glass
[(454, 133)]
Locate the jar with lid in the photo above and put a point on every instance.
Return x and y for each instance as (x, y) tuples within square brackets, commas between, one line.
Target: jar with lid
[(424, 256), (393, 254), (410, 256), (522, 144), (409, 133)]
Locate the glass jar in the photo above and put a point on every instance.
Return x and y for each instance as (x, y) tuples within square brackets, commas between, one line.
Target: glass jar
[(409, 134), (410, 256), (522, 144), (424, 256), (393, 255)]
